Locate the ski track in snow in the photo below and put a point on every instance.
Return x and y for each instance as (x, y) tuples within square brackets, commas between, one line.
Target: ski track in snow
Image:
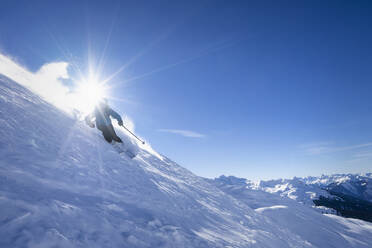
[(62, 185), (260, 210)]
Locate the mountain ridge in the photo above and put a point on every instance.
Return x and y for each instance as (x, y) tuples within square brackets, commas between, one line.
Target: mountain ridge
[(318, 192)]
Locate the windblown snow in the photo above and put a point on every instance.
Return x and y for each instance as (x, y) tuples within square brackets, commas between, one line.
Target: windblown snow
[(62, 185)]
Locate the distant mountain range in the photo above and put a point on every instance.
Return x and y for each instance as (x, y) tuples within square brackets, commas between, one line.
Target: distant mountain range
[(348, 195)]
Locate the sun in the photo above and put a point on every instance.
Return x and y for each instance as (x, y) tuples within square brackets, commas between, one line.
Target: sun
[(88, 93)]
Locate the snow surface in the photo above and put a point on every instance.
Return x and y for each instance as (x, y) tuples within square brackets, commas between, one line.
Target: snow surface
[(260, 210), (318, 230), (62, 185)]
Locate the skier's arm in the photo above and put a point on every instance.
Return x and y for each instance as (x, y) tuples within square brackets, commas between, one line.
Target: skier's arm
[(116, 116)]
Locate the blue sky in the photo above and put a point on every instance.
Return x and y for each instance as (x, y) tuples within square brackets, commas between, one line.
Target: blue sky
[(257, 89)]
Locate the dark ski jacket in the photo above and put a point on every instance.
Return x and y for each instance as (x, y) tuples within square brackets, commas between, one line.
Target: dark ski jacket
[(102, 114)]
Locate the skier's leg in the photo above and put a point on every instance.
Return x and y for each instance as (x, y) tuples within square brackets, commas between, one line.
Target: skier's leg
[(107, 136), (106, 133), (113, 134), (117, 139)]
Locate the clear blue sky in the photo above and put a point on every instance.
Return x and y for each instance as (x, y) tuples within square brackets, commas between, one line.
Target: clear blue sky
[(267, 89)]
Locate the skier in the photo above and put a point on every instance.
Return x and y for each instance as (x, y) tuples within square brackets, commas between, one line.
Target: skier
[(102, 113)]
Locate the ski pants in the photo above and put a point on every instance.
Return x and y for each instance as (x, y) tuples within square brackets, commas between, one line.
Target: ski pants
[(109, 133)]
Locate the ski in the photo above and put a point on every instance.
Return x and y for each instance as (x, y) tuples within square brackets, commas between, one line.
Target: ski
[(122, 150)]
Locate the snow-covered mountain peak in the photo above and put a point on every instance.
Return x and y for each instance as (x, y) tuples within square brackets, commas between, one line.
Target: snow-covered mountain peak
[(231, 180)]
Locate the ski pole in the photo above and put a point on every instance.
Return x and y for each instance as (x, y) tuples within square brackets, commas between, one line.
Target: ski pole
[(143, 142)]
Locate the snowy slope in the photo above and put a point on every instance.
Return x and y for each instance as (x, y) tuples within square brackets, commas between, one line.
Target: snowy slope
[(62, 185), (317, 229)]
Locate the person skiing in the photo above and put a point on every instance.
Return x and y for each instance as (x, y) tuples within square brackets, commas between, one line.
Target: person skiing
[(101, 114)]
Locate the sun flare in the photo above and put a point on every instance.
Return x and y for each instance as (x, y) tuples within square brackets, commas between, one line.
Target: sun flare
[(89, 93)]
